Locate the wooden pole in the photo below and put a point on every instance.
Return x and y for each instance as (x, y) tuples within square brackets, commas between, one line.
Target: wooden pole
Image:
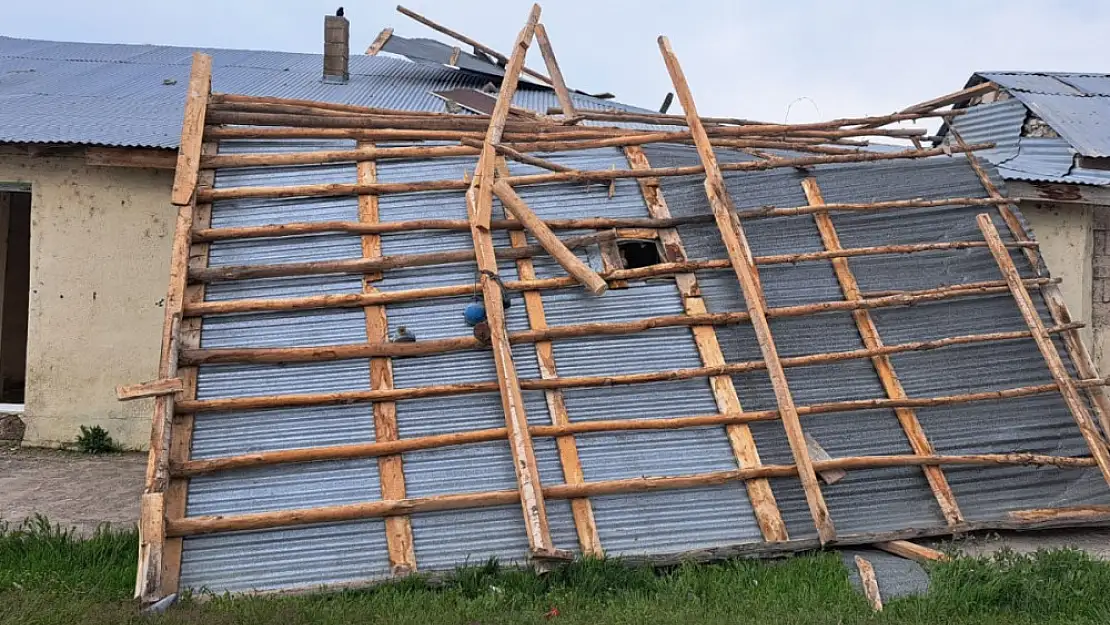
[(582, 510), (550, 242), (1053, 298), (740, 255), (479, 202), (869, 583), (385, 508), (379, 42), (869, 334), (192, 130), (519, 156), (504, 60), (912, 551), (762, 499), (557, 81), (1075, 403)]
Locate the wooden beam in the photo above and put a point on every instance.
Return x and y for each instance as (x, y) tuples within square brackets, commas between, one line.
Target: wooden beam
[(963, 95), (139, 158), (762, 499), (1075, 403), (192, 130), (379, 41), (504, 60), (560, 85), (479, 202), (884, 368), (391, 473), (912, 551), (582, 510), (1053, 297), (154, 388), (869, 583), (567, 259), (740, 255)]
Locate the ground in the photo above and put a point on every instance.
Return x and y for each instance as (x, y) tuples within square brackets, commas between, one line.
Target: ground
[(71, 489)]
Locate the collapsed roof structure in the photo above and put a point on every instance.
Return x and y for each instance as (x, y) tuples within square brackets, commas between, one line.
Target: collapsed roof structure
[(833, 346)]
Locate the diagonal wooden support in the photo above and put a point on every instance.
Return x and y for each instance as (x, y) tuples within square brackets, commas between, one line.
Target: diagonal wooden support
[(1053, 298), (391, 473), (740, 437), (153, 559), (479, 203), (581, 509), (740, 256), (1028, 310), (869, 333), (560, 85)]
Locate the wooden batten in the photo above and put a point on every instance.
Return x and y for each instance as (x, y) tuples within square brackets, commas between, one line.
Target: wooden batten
[(884, 368), (154, 388), (557, 81), (581, 509), (192, 130), (379, 42), (740, 256), (479, 203), (912, 551), (398, 530), (1087, 426), (870, 583), (740, 437)]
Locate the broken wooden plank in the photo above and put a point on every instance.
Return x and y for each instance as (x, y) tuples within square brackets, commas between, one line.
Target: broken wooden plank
[(912, 551), (740, 256), (163, 386), (869, 583), (379, 41), (1075, 403), (762, 499), (818, 453), (192, 130), (884, 368), (391, 473), (567, 259)]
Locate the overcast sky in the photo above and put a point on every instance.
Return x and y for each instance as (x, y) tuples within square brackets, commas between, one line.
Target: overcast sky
[(756, 59)]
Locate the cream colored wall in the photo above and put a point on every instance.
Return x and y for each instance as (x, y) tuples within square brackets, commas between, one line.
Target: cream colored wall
[(1066, 236), (100, 248)]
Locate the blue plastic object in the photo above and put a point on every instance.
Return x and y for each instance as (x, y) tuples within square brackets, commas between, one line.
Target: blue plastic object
[(475, 313)]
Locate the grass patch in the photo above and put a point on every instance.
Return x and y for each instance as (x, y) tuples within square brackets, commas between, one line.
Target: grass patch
[(48, 576)]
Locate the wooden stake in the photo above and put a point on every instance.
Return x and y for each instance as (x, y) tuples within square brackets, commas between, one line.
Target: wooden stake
[(581, 509), (557, 81), (869, 333), (192, 130), (479, 201), (740, 255), (1067, 385), (869, 583), (762, 499), (154, 388), (379, 41), (566, 258), (912, 551), (391, 473)]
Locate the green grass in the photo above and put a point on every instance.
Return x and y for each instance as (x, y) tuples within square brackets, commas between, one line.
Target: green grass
[(48, 576)]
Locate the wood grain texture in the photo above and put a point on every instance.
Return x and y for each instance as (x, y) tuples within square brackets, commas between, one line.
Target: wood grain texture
[(884, 368), (379, 41), (912, 551), (869, 583), (164, 386), (192, 130), (740, 255)]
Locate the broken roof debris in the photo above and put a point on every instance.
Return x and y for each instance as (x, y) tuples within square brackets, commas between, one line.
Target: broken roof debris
[(815, 308)]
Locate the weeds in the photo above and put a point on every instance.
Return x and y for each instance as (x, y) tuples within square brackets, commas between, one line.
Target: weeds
[(96, 440)]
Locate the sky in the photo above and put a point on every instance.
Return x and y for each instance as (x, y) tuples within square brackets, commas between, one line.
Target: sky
[(779, 61)]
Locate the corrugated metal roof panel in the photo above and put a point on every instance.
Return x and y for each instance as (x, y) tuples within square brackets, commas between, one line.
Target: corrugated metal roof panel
[(1035, 82), (997, 122)]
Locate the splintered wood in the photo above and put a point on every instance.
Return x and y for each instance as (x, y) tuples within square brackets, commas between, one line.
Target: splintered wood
[(554, 248)]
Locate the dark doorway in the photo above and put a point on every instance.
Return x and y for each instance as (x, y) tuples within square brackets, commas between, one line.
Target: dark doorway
[(15, 270)]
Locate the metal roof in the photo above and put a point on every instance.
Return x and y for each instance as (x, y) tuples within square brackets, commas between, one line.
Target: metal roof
[(637, 524), (133, 95), (1075, 106)]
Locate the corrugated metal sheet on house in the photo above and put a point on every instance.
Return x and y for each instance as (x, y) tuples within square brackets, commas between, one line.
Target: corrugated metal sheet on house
[(132, 95), (645, 524)]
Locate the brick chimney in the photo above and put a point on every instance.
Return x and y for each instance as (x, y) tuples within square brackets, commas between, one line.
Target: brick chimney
[(337, 49)]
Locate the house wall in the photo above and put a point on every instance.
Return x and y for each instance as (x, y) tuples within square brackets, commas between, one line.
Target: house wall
[(1100, 288), (100, 249), (1066, 236)]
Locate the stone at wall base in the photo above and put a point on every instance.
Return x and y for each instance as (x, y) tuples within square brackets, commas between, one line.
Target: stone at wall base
[(11, 429)]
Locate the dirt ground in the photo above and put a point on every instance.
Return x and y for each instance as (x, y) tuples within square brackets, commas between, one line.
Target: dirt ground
[(81, 491), (71, 489)]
